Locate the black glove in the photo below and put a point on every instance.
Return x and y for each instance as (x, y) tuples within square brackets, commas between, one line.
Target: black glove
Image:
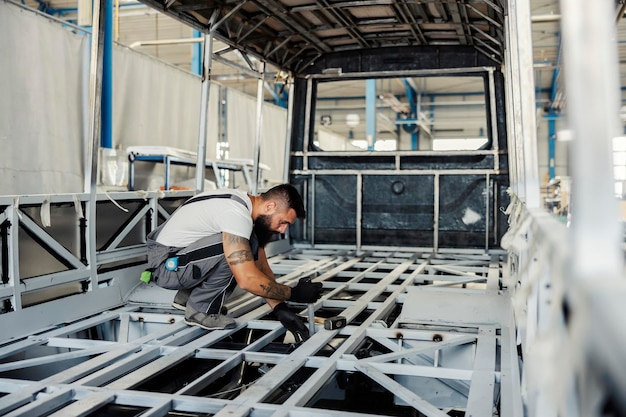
[(292, 322), (306, 291)]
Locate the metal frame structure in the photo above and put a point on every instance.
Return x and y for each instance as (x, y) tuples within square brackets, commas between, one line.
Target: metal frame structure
[(471, 358), (400, 164), (430, 331), (292, 35)]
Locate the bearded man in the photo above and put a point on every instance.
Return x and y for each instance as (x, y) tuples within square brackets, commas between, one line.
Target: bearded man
[(216, 241)]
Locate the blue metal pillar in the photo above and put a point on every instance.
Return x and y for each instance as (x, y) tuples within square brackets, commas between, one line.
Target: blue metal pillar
[(196, 54), (370, 113), (551, 144), (410, 95), (552, 116), (106, 140)]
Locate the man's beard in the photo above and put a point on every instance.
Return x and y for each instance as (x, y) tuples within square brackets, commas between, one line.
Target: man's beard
[(263, 231)]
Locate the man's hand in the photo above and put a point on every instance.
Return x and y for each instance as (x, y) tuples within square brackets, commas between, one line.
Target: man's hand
[(306, 291), (291, 321)]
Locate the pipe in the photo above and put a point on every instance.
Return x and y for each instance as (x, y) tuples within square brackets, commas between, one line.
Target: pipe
[(254, 187), (106, 141), (370, 113), (413, 98), (204, 109), (166, 42), (545, 18)]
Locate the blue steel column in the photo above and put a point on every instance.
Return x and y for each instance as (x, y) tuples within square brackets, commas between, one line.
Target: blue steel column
[(410, 95), (370, 113), (106, 141), (551, 144), (553, 116), (196, 54)]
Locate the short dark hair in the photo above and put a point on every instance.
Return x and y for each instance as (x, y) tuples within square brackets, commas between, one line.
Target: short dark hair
[(289, 195)]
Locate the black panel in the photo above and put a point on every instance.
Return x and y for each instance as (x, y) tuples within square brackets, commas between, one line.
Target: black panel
[(462, 211), (501, 112), (335, 209), (398, 210), (402, 59)]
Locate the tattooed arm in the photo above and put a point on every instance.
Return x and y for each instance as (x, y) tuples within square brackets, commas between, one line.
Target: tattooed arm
[(250, 276), (263, 265)]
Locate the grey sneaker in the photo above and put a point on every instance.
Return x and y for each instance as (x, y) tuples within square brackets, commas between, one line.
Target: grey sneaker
[(180, 299), (208, 321)]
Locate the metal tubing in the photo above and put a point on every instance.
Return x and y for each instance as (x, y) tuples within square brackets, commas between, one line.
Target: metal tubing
[(359, 210), (595, 270), (106, 140), (95, 97), (512, 121), (204, 108), (307, 123), (14, 257), (487, 199), (290, 107), (593, 102), (370, 113), (312, 214), (495, 140), (436, 213), (94, 134), (311, 316), (254, 187), (521, 51)]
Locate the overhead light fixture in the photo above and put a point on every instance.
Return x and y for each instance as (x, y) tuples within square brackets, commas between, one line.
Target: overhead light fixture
[(352, 119)]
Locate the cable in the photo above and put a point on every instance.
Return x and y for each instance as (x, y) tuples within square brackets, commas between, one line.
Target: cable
[(230, 390)]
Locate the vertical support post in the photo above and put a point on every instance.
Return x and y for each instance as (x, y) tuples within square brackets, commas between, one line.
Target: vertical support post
[(93, 134), (487, 219), (436, 214), (359, 209), (259, 130), (551, 144), (593, 93), (204, 107), (95, 95), (494, 121), (514, 120), (370, 113), (552, 117), (523, 89), (14, 256), (312, 211), (223, 123), (196, 54), (106, 140), (415, 109), (290, 104), (307, 124)]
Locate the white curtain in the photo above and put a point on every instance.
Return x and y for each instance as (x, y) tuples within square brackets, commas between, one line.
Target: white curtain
[(41, 125), (157, 104), (241, 132), (44, 73)]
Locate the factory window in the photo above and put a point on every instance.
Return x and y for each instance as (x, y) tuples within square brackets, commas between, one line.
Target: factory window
[(417, 113)]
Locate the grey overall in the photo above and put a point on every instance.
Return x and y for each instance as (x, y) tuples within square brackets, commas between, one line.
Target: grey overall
[(202, 266)]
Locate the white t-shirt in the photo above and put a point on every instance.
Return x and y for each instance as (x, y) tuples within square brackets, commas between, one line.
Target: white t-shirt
[(208, 217)]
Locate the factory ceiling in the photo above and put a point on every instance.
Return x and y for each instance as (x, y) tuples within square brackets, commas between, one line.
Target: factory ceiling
[(293, 34)]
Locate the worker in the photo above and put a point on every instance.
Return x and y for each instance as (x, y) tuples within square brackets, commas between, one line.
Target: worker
[(215, 241)]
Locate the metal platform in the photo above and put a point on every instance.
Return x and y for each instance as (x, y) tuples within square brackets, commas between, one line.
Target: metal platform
[(428, 334)]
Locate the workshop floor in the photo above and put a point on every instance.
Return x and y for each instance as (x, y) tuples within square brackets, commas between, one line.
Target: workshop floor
[(426, 334)]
